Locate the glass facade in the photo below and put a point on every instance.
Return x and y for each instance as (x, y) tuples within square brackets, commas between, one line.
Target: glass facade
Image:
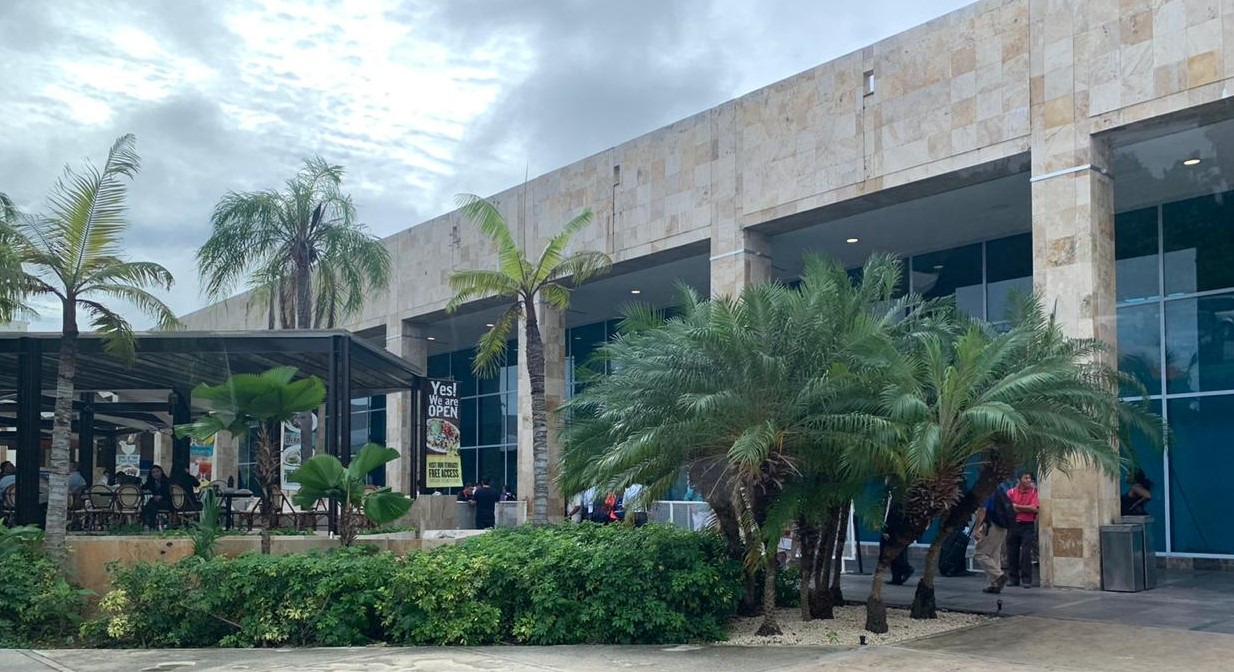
[(488, 416), (1175, 286)]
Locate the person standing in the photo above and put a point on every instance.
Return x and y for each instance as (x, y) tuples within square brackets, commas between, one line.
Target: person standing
[(1022, 536), (990, 533), (484, 498), (634, 504)]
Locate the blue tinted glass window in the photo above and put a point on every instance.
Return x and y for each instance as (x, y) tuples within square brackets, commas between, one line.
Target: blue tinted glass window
[(468, 459), (1139, 346), (467, 420), (1009, 272), (1199, 244), (1200, 343), (1135, 252), (954, 272), (1201, 460), (460, 369), (1149, 456)]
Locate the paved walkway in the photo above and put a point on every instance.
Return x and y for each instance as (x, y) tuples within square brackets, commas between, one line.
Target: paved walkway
[(1192, 600), (1021, 644)]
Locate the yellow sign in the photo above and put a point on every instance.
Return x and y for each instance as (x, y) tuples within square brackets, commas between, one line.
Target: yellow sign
[(444, 471)]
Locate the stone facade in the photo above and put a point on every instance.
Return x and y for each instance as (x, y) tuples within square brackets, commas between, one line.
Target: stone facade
[(993, 81)]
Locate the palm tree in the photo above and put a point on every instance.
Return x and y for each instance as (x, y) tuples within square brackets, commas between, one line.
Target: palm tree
[(523, 282), (325, 477), (74, 255), (777, 386), (288, 241), (248, 402), (1029, 396)]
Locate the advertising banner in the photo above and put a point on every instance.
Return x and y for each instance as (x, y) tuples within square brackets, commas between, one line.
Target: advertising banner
[(289, 460), (442, 466), (201, 460), (128, 459)]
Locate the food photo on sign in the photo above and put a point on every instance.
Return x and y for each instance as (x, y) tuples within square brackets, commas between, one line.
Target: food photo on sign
[(443, 467)]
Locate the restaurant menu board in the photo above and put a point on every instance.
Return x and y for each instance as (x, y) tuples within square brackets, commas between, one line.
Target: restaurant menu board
[(442, 466), (201, 460), (128, 459)]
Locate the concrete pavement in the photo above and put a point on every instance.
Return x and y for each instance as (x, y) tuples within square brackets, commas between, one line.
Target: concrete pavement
[(1018, 644)]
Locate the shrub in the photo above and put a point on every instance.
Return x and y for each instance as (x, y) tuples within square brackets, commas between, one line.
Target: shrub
[(788, 587), (37, 605), (558, 585)]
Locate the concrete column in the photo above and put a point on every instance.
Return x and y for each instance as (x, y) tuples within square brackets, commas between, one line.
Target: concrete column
[(1073, 271), (553, 333), (407, 341), (163, 447), (739, 260)]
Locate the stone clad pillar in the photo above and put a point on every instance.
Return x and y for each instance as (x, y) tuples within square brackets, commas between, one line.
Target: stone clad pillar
[(737, 260), (553, 333), (406, 341), (1073, 272)]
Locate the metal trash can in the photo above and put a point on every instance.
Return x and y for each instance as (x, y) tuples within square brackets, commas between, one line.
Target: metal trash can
[(1150, 555), (1122, 557)]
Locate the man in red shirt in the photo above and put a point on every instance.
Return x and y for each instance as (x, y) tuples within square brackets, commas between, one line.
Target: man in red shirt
[(1023, 533)]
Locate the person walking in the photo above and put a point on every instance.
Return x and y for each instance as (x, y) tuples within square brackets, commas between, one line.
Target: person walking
[(484, 499), (1022, 536), (990, 533)]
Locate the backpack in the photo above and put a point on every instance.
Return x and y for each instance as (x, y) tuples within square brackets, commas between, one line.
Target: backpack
[(1003, 514)]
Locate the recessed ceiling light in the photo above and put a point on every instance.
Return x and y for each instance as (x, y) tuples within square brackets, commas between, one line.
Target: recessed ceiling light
[(432, 338), (1191, 162), (489, 324), (636, 291), (938, 267), (850, 241)]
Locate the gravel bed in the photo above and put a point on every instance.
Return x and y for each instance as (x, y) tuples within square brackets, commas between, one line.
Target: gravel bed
[(846, 628)]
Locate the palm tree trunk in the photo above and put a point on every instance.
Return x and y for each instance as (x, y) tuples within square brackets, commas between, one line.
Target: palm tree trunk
[(837, 568), (770, 626), (539, 416), (924, 605), (273, 301), (268, 465), (61, 441), (808, 540), (304, 291), (876, 609), (287, 305), (823, 605)]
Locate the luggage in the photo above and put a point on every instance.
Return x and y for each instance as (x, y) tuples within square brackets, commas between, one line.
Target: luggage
[(953, 559)]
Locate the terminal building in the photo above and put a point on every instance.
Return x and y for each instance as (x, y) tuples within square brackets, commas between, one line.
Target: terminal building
[(1079, 147)]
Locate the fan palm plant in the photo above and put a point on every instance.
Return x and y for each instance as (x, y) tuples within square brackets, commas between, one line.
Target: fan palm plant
[(73, 255), (325, 477), (775, 385), (248, 402), (282, 239), (522, 282)]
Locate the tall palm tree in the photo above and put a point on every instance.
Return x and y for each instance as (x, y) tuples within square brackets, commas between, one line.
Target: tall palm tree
[(777, 385), (12, 294), (74, 254), (281, 240), (523, 282)]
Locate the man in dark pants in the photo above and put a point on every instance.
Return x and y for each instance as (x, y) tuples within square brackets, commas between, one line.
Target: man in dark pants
[(484, 498), (1022, 535)]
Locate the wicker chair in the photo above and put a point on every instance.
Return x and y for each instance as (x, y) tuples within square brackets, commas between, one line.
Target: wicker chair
[(182, 508), (102, 502), (8, 502), (128, 504)]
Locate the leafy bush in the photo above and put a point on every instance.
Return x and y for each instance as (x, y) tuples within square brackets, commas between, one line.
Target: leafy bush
[(37, 606), (607, 583), (558, 585), (788, 587)]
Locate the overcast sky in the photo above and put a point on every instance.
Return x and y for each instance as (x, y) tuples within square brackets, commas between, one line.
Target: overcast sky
[(419, 100)]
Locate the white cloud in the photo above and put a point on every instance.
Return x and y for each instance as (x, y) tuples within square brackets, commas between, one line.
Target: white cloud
[(418, 99)]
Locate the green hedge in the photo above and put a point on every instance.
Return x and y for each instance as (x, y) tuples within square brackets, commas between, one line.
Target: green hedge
[(37, 606), (559, 585)]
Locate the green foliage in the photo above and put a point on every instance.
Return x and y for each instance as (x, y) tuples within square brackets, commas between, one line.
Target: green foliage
[(206, 531), (434, 599), (13, 540), (245, 400), (558, 585), (37, 605), (788, 587), (324, 477)]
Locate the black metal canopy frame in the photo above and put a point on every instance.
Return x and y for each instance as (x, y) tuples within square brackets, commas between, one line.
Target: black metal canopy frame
[(171, 364)]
